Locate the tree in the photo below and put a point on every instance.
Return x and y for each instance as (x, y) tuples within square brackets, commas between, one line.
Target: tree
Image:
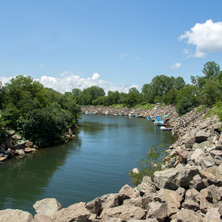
[(211, 70), (133, 97), (91, 93)]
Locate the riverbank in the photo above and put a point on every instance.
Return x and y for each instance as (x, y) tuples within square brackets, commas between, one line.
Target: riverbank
[(15, 147), (187, 189)]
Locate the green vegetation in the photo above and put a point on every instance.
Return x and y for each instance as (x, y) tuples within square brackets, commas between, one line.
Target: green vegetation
[(149, 165), (216, 110), (205, 90), (37, 113)]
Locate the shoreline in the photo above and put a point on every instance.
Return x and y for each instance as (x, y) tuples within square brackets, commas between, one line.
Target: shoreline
[(189, 186)]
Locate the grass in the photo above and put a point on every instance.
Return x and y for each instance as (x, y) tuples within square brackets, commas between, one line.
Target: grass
[(216, 110), (201, 108)]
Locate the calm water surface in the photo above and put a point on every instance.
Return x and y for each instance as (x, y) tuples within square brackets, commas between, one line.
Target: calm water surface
[(96, 162)]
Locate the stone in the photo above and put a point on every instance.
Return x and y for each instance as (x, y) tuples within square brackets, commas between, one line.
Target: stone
[(20, 152), (94, 206), (146, 187), (42, 218), (129, 191), (205, 200), (212, 176), (48, 206), (16, 137), (191, 205), (28, 144), (189, 143), (181, 191), (10, 215), (166, 178), (2, 158), (135, 171), (205, 163), (186, 215), (157, 210), (197, 183), (29, 150), (212, 215), (124, 212), (20, 145), (75, 212), (185, 175), (202, 136), (197, 156), (138, 202), (192, 194), (171, 198), (216, 154)]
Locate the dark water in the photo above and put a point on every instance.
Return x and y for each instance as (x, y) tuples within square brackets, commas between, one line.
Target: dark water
[(96, 162)]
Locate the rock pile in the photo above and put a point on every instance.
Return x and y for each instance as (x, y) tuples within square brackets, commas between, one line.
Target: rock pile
[(14, 146), (157, 110), (188, 188)]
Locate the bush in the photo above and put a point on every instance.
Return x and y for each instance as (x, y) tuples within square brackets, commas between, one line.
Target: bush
[(45, 127), (185, 105), (148, 166)]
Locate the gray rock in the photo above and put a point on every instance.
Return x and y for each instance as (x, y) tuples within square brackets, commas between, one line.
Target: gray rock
[(212, 215), (216, 154), (75, 212), (47, 207), (192, 194), (157, 210), (186, 215), (166, 178), (202, 136), (94, 206), (138, 202), (206, 162), (42, 218), (20, 145), (171, 198), (124, 212), (190, 141), (146, 187), (129, 191), (191, 205), (197, 156), (16, 137), (197, 183), (15, 216)]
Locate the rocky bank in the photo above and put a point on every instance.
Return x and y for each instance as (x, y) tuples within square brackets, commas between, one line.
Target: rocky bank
[(188, 188)]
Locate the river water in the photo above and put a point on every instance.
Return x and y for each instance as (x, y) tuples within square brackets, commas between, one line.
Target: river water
[(95, 163)]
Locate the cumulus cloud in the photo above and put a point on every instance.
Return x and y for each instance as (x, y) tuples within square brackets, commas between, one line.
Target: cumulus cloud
[(207, 37), (176, 65), (67, 81)]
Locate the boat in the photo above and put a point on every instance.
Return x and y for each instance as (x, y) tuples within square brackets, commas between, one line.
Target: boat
[(131, 115), (163, 128), (158, 121), (149, 118)]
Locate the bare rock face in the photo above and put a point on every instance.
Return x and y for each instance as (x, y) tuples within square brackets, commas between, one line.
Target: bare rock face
[(75, 212), (186, 215), (15, 216), (124, 212), (42, 218), (48, 206)]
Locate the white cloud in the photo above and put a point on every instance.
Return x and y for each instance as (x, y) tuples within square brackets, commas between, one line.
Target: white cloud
[(207, 37), (67, 81), (95, 76), (176, 65)]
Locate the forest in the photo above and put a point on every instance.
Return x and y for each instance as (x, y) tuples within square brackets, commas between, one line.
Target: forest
[(43, 115)]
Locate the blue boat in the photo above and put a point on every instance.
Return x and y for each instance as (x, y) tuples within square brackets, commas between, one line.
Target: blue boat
[(149, 118), (158, 121)]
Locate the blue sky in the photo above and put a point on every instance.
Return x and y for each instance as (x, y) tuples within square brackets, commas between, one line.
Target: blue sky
[(114, 44)]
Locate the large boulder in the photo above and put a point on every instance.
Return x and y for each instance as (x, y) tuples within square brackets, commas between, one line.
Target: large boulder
[(75, 212), (186, 215), (15, 216), (124, 212), (95, 206), (48, 206), (146, 188), (166, 178), (171, 198), (157, 210), (212, 215), (129, 191)]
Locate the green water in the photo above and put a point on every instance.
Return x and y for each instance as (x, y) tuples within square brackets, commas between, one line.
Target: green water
[(96, 162)]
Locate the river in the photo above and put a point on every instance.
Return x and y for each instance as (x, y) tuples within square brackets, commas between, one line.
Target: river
[(94, 163)]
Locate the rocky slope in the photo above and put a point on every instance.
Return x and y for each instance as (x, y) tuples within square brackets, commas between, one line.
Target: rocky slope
[(188, 188)]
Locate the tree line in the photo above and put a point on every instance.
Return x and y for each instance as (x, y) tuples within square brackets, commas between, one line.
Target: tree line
[(43, 115), (203, 90)]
